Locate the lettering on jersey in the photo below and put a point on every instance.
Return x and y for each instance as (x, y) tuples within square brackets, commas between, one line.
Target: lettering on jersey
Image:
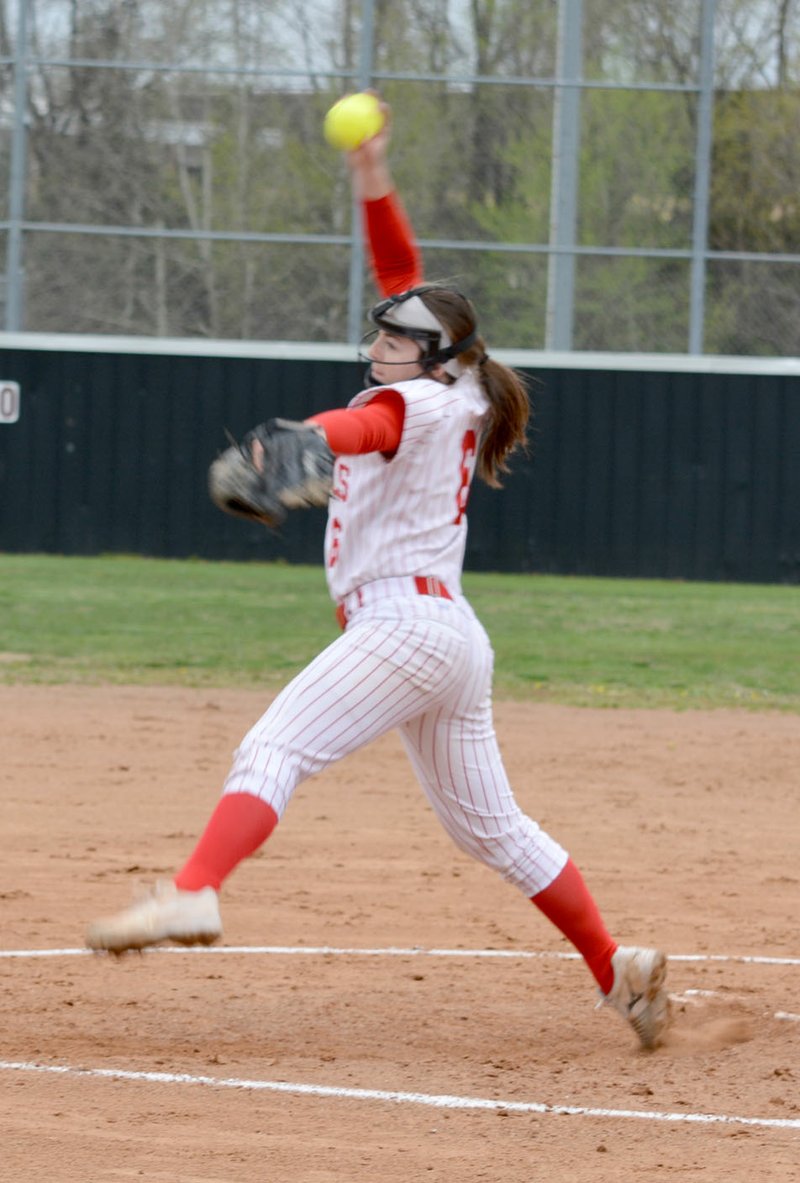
[(468, 458), (335, 541), (341, 481), (340, 492)]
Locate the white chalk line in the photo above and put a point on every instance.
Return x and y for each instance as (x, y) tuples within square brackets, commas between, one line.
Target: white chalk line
[(692, 997), (333, 951), (433, 1100)]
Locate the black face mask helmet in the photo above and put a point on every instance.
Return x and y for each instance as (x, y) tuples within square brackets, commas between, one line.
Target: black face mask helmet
[(407, 315)]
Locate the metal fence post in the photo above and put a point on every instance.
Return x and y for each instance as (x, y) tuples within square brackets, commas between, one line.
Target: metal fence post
[(16, 183), (564, 186), (355, 293), (702, 182)]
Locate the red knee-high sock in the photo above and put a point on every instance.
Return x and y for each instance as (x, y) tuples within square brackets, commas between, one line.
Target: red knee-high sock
[(568, 904), (237, 827)]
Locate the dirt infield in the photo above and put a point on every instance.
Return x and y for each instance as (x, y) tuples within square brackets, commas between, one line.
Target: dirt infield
[(316, 1066)]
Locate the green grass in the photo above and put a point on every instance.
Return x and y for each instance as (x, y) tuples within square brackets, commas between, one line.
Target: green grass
[(584, 642)]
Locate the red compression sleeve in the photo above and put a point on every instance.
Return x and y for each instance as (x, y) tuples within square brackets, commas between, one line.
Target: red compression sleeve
[(568, 904), (394, 254), (375, 427), (237, 827)]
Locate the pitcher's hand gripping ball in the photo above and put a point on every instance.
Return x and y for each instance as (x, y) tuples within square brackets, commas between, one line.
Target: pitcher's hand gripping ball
[(351, 121), (278, 466)]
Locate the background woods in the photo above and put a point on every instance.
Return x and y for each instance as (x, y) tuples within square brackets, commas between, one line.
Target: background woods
[(176, 182)]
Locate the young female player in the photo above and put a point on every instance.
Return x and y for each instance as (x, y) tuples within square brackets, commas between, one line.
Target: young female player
[(412, 654)]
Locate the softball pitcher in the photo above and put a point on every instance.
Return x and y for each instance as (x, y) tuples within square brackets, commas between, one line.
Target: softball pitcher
[(412, 655)]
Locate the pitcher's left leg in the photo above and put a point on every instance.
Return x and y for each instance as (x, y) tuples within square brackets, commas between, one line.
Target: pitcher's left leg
[(380, 672)]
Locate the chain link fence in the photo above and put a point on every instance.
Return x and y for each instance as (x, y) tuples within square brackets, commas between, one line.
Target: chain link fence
[(598, 174)]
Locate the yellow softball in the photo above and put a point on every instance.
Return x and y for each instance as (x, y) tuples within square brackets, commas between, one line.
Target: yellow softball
[(351, 121)]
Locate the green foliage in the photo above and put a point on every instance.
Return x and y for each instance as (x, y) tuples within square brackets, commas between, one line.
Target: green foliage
[(755, 206), (585, 642), (211, 151), (636, 169), (755, 200), (642, 302)]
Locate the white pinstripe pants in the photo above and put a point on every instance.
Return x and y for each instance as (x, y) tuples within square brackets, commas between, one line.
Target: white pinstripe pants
[(422, 665)]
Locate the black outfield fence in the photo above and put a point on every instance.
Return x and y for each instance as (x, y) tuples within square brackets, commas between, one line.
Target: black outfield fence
[(639, 466)]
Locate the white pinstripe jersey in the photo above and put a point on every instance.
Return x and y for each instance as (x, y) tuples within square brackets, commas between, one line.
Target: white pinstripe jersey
[(406, 515)]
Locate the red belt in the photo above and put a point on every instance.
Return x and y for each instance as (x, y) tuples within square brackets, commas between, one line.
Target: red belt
[(424, 585)]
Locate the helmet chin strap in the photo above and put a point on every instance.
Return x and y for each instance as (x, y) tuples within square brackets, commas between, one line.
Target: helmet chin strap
[(371, 380)]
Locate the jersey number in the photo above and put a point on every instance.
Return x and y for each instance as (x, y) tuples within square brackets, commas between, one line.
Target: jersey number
[(468, 454)]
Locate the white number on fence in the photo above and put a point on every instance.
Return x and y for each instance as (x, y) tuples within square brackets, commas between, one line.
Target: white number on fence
[(9, 401)]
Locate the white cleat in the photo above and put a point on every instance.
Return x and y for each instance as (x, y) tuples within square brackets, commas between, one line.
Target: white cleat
[(164, 914), (638, 992)]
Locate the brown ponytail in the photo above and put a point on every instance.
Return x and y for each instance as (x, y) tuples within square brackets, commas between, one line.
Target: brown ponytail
[(509, 405)]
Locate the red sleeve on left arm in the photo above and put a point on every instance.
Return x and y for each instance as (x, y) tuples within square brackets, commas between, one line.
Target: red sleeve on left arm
[(375, 427)]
